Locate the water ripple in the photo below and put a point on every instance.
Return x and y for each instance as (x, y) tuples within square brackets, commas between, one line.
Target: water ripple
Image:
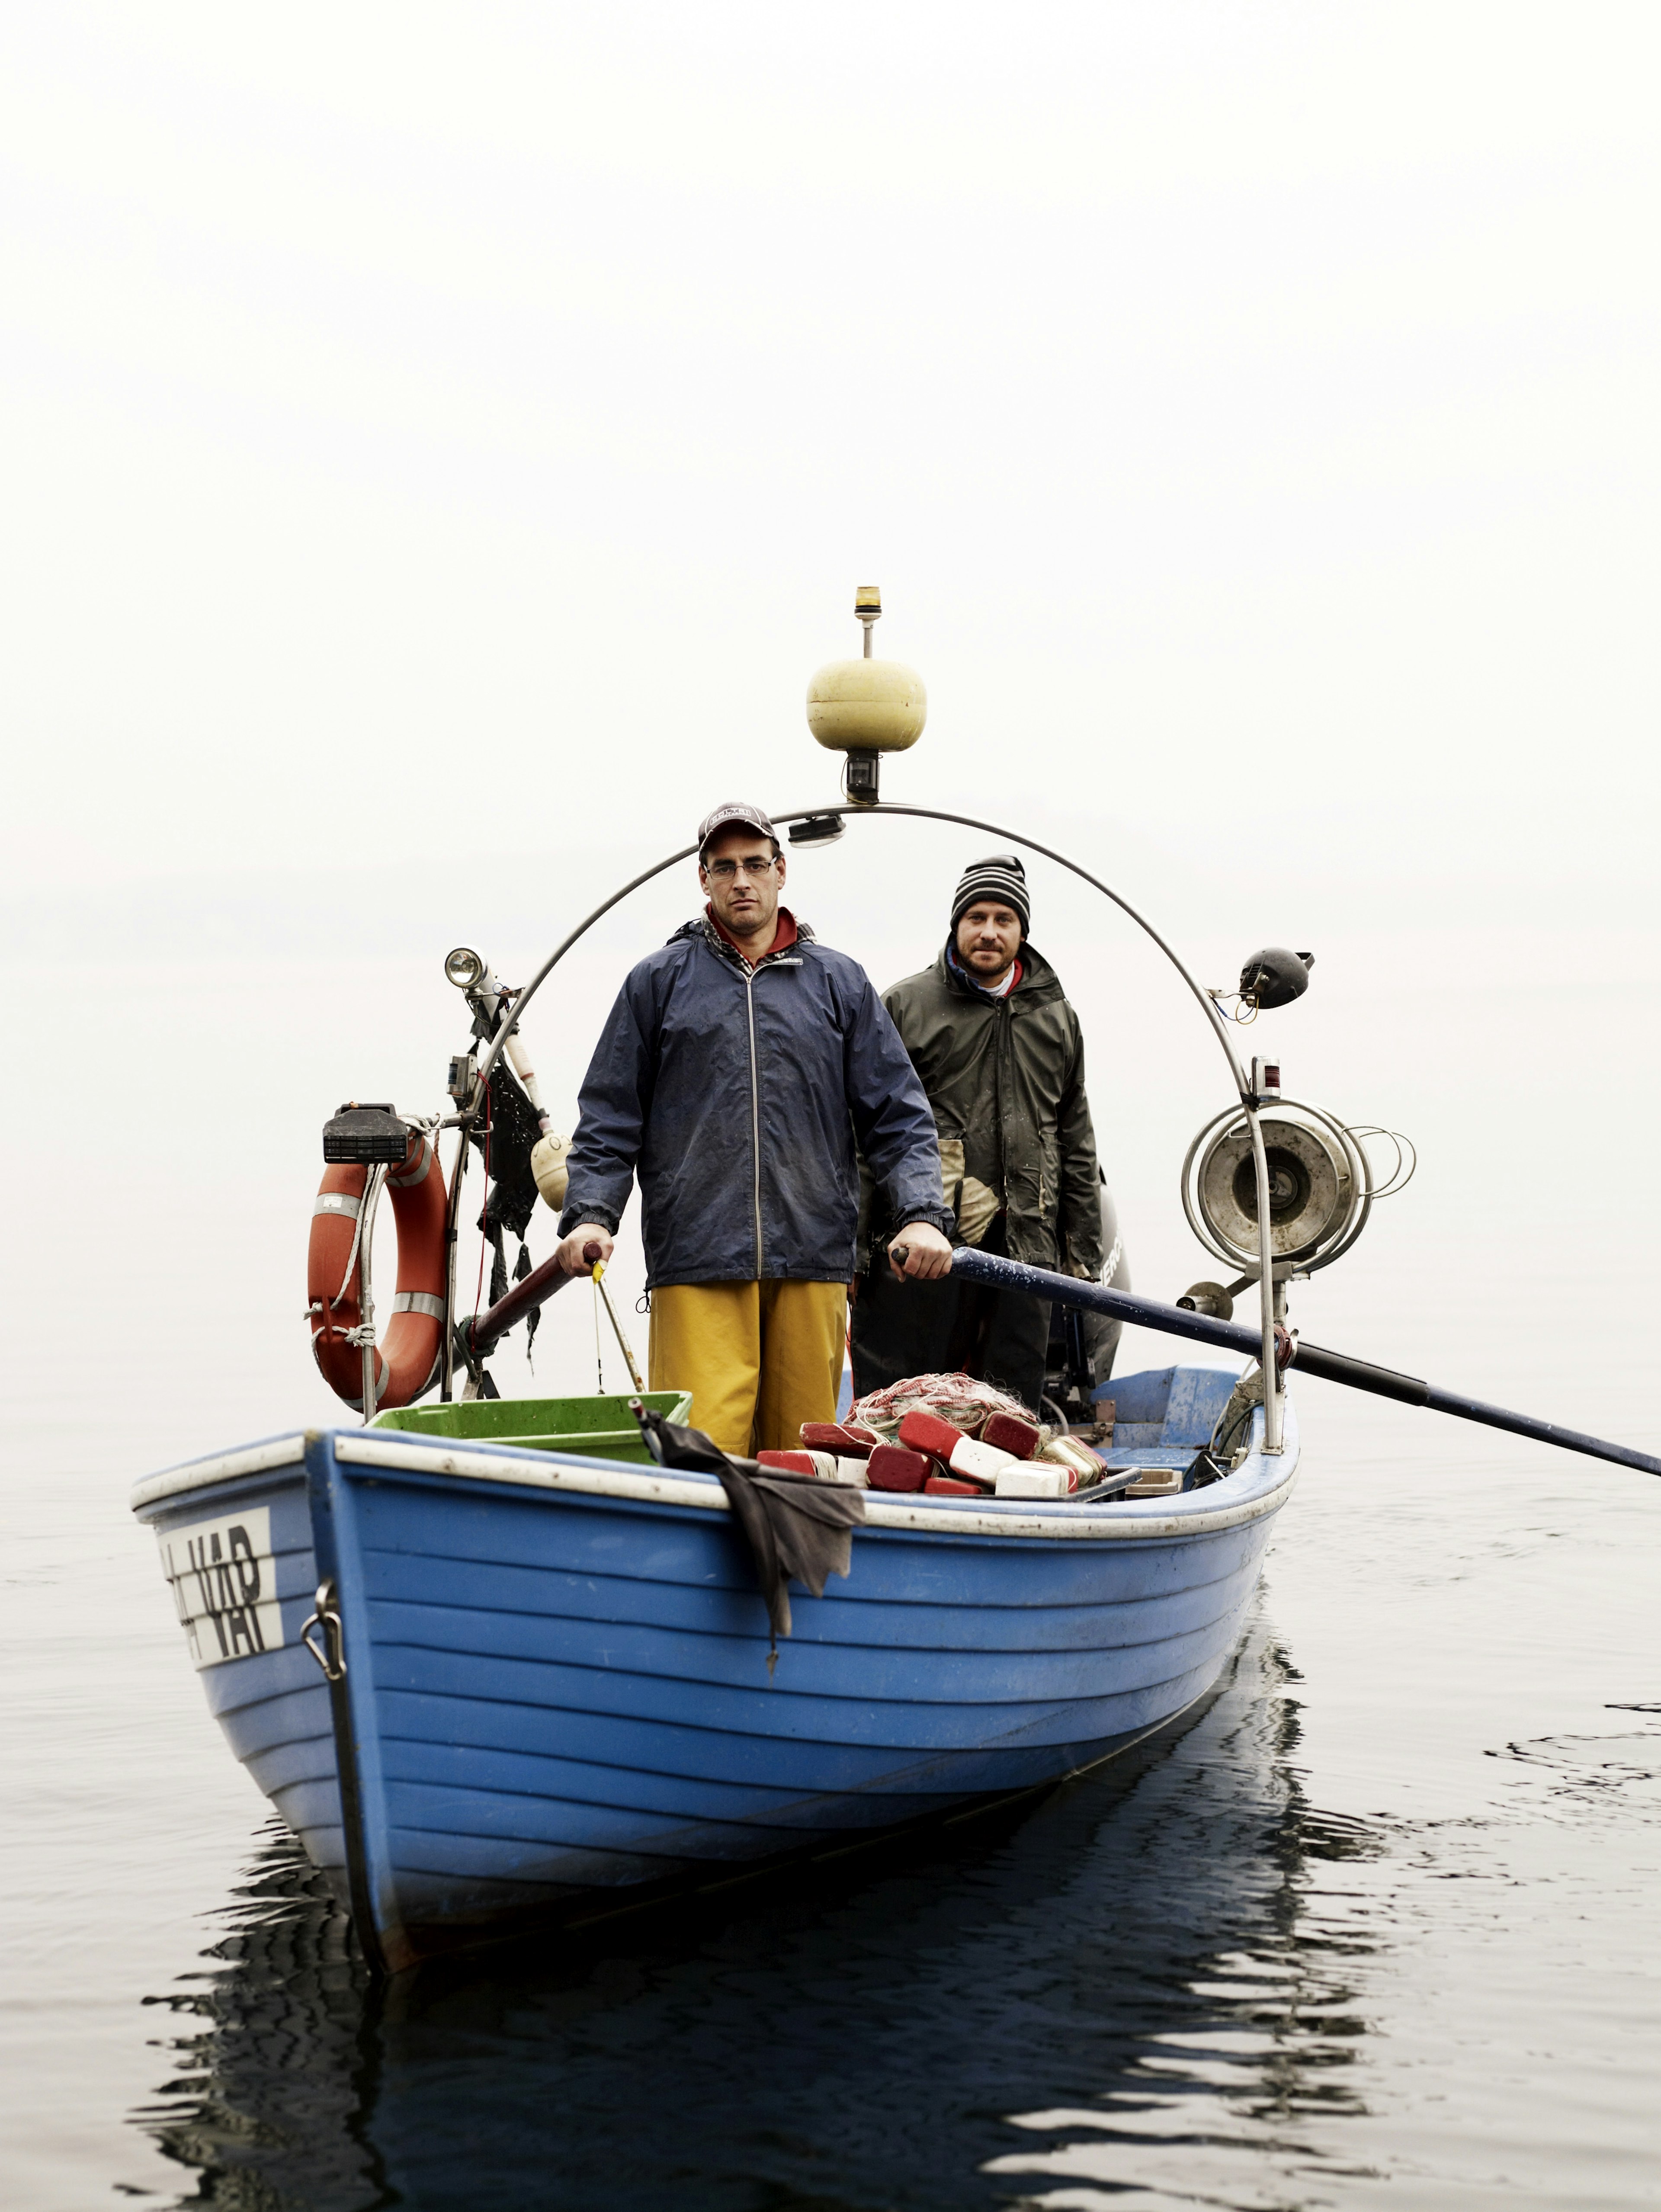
[(1178, 1983)]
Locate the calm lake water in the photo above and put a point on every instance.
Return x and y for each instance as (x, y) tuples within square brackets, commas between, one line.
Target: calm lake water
[(1377, 1926)]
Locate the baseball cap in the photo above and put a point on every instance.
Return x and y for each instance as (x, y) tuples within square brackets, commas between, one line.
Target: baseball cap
[(734, 814)]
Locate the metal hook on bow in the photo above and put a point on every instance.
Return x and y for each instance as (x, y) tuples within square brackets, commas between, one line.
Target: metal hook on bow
[(331, 1656)]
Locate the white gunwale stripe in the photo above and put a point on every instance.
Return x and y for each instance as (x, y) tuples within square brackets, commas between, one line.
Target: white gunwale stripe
[(945, 1518), (1127, 1522), (225, 1466)]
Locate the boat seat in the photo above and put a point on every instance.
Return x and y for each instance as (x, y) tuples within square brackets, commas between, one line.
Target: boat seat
[(1148, 1455), (1175, 1408)]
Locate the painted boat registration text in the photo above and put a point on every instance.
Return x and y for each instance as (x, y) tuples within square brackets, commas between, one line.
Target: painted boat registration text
[(223, 1579)]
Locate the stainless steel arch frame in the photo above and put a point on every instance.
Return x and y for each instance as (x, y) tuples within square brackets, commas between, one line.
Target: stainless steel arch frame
[(1273, 1422)]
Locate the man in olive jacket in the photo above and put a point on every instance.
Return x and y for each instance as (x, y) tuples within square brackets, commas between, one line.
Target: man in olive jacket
[(1000, 1053)]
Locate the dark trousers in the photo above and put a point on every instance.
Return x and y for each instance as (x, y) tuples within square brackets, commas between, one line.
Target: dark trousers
[(904, 1328)]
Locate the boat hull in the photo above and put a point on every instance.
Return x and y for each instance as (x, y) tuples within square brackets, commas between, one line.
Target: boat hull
[(558, 1696)]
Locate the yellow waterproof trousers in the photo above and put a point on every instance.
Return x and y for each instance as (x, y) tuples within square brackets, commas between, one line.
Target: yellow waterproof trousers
[(759, 1359)]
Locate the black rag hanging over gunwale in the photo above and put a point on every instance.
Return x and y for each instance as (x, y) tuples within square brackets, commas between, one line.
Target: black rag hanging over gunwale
[(792, 1524)]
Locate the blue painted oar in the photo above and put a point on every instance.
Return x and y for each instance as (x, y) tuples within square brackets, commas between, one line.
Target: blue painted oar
[(1001, 1274)]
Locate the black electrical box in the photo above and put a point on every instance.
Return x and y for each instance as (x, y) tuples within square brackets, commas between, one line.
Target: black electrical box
[(365, 1136)]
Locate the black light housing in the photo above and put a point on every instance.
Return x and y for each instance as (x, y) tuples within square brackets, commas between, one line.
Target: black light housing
[(818, 830), (365, 1136), (1274, 977)]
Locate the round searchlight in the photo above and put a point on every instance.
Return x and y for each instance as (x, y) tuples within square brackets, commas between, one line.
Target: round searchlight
[(1313, 1188)]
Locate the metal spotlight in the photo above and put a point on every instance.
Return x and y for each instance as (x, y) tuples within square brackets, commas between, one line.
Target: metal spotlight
[(463, 967), (1275, 976)]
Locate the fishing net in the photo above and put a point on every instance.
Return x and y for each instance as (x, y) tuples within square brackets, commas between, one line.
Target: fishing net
[(960, 1398)]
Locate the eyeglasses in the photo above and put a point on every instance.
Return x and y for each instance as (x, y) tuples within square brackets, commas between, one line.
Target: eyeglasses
[(724, 871)]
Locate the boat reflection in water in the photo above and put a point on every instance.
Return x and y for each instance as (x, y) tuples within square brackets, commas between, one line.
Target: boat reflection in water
[(1144, 1982)]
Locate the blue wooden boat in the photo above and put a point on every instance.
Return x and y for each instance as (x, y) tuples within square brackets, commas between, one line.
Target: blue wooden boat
[(493, 1673), (548, 1692)]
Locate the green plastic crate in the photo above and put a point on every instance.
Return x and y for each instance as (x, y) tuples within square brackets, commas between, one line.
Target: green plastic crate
[(604, 1428)]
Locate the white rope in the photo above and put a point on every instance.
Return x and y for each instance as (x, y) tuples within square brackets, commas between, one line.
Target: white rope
[(367, 1206)]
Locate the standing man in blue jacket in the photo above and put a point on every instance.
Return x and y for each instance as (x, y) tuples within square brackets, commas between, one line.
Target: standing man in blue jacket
[(741, 1074)]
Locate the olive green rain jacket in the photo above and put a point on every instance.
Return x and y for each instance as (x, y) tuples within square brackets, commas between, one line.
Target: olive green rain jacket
[(1004, 1077)]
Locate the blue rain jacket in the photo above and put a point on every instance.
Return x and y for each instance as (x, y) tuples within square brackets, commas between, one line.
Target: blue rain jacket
[(742, 1097)]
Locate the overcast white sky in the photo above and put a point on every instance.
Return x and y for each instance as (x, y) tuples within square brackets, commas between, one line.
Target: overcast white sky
[(1249, 412), (439, 442)]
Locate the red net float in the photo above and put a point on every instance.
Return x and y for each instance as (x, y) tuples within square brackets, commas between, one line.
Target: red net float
[(890, 1467), (797, 1462), (833, 1436), (406, 1361), (1018, 1437), (924, 1432)]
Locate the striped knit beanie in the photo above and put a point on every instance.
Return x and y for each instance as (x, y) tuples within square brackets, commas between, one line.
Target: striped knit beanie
[(1001, 878)]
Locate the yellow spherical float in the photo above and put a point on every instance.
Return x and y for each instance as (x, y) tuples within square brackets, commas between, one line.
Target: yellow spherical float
[(867, 706)]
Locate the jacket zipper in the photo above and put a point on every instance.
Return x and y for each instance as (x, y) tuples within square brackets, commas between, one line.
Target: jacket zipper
[(755, 1108), (1004, 1016), (750, 974)]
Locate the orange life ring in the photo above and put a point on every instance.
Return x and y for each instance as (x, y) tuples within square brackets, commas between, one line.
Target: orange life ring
[(407, 1361)]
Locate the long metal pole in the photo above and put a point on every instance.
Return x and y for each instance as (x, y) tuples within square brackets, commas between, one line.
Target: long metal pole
[(1273, 1416), (452, 1231), (998, 1273), (373, 1185)]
